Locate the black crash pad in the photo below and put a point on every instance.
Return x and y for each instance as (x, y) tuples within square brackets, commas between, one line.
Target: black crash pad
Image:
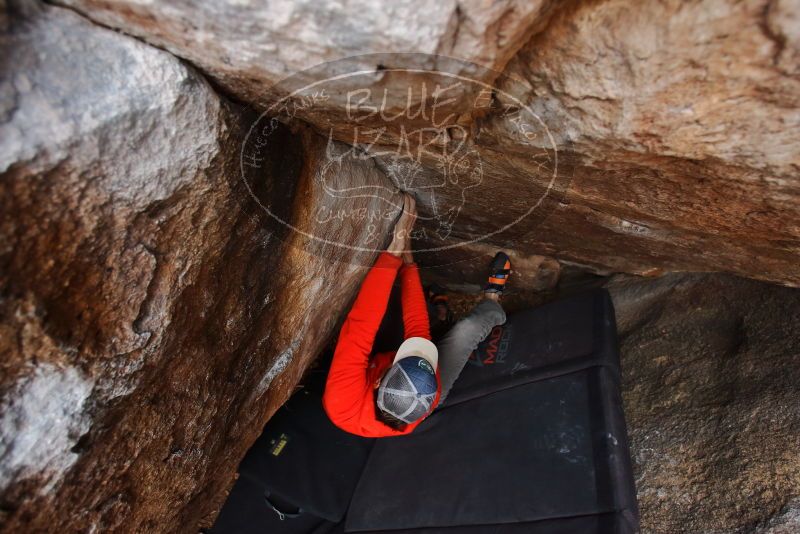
[(247, 512), (550, 340), (301, 464), (532, 438)]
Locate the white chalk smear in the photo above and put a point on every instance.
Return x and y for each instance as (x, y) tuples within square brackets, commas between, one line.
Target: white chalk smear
[(40, 421), (280, 364)]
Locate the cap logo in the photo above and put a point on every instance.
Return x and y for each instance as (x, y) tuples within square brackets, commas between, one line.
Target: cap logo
[(423, 363)]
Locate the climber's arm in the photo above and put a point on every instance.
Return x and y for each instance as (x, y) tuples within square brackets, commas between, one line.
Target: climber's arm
[(347, 385), (415, 310)]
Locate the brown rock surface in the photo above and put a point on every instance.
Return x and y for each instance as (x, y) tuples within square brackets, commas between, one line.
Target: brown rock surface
[(462, 273), (249, 46), (710, 385), (685, 116), (152, 317), (677, 124)]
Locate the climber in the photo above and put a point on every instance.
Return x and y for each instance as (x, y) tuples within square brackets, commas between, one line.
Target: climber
[(390, 393)]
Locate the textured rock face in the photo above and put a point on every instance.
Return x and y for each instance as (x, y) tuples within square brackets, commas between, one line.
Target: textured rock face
[(152, 317), (685, 118), (153, 314), (466, 269), (676, 123), (710, 387), (249, 46)]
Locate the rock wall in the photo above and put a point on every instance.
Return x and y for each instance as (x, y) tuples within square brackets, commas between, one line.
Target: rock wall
[(153, 314), (248, 47), (676, 123), (710, 386), (152, 317), (684, 117)]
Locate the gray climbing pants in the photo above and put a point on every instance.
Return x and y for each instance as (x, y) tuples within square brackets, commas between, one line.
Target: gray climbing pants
[(456, 345)]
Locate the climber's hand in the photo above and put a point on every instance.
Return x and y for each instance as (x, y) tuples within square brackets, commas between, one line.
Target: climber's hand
[(401, 241)]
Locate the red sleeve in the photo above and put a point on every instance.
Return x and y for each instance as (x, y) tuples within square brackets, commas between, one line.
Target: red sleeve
[(347, 385), (415, 309)]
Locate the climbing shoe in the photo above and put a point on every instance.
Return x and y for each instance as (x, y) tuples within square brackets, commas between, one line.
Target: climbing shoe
[(499, 270)]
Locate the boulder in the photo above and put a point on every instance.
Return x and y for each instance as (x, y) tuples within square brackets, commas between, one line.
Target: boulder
[(671, 128), (247, 47), (464, 269), (711, 378), (170, 262), (684, 120), (153, 312)]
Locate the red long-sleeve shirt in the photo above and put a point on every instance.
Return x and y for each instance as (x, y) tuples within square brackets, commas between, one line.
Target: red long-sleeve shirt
[(349, 398)]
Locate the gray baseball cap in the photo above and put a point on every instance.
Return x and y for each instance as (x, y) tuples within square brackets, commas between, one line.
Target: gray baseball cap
[(408, 389)]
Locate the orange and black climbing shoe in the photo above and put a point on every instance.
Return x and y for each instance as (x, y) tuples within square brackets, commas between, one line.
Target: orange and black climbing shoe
[(499, 270)]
